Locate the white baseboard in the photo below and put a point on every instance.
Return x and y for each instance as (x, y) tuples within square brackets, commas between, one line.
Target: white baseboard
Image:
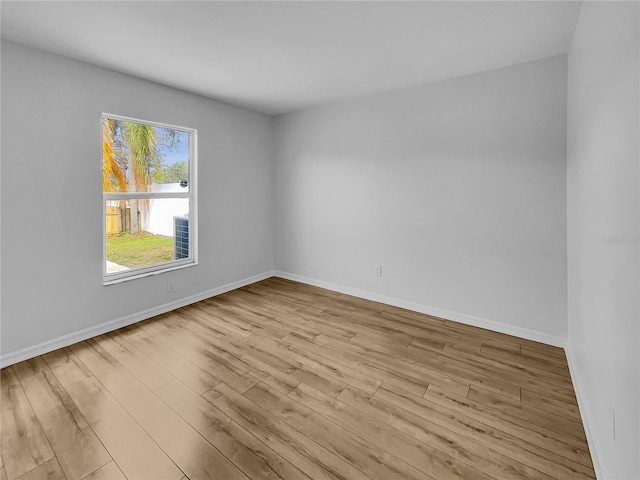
[(434, 311), (75, 337), (592, 440), (79, 336)]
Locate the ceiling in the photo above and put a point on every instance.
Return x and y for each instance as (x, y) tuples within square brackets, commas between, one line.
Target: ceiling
[(277, 57)]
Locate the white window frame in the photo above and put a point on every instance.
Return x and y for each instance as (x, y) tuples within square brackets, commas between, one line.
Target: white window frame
[(134, 273)]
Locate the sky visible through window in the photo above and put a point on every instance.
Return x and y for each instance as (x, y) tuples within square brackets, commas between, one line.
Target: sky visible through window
[(179, 154)]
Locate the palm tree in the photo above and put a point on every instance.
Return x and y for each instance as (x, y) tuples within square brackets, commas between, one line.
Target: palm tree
[(113, 177), (142, 142), (130, 161)]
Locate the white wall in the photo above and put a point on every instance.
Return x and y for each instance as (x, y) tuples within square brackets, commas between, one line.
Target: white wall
[(603, 214), (457, 188), (158, 219), (52, 222)]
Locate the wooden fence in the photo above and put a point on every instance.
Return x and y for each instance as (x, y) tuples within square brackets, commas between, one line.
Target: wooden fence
[(119, 220)]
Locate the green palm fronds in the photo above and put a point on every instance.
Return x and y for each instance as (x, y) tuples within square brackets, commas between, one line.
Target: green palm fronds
[(144, 160)]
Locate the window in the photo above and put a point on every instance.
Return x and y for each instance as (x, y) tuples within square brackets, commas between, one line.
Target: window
[(149, 201)]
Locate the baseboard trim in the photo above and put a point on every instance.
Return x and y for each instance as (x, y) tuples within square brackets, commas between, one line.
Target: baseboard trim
[(592, 440), (434, 311), (79, 336)]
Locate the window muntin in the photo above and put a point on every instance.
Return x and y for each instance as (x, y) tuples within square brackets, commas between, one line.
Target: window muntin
[(149, 202)]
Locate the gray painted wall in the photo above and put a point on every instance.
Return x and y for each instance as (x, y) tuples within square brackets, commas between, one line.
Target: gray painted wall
[(52, 222), (603, 214), (457, 188)]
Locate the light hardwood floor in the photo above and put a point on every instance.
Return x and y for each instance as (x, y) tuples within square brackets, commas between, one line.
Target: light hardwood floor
[(283, 380)]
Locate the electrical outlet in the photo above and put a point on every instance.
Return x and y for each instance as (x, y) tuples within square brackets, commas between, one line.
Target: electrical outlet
[(378, 270), (612, 422), (170, 287)]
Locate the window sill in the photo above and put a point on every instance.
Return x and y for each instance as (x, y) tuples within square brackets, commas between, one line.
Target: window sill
[(134, 276)]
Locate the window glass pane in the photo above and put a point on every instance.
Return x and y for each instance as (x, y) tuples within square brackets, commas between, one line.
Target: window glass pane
[(145, 232), (137, 157)]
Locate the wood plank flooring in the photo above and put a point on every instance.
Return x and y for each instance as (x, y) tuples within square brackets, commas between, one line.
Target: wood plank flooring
[(280, 380)]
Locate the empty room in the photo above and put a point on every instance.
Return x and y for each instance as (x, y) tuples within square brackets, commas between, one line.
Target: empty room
[(332, 240)]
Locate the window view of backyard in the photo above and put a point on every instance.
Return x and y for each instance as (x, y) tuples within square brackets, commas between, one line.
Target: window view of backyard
[(139, 249), (145, 178)]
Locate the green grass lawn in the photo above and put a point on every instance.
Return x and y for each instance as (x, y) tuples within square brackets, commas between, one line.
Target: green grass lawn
[(139, 249)]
